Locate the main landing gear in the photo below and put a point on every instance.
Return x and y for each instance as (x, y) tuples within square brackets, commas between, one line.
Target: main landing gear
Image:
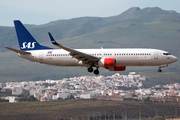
[(90, 69), (96, 72)]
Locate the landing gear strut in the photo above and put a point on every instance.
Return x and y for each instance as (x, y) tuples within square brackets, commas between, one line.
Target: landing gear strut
[(161, 66)]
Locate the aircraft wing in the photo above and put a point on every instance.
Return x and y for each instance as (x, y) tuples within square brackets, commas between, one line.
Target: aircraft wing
[(80, 56), (17, 51)]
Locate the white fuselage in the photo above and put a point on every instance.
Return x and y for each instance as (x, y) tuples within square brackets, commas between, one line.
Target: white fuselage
[(124, 57), (111, 59)]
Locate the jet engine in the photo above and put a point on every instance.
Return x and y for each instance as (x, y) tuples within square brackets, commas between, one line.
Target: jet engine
[(116, 68), (107, 62)]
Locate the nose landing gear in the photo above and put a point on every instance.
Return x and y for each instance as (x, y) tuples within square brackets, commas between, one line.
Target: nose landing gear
[(161, 66), (159, 70)]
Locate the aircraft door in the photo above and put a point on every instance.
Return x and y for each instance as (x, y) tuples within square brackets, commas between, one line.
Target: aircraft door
[(155, 55), (41, 56)]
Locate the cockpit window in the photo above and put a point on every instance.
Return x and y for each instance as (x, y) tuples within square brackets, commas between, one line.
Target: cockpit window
[(166, 54)]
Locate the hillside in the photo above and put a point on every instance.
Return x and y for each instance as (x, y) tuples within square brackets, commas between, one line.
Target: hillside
[(134, 28)]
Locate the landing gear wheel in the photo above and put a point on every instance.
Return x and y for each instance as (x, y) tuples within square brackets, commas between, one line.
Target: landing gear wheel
[(159, 70), (90, 69), (96, 72)]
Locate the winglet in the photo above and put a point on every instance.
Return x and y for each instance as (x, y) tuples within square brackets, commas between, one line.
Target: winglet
[(52, 39), (59, 45)]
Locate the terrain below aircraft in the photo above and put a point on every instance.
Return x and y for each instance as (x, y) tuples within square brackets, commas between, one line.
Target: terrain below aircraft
[(111, 59)]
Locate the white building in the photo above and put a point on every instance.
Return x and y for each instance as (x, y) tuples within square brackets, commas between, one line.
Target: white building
[(63, 95), (20, 91), (17, 91), (85, 96), (54, 97), (13, 99)]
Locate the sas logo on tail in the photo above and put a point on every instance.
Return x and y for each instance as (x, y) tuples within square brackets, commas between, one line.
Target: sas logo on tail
[(29, 45)]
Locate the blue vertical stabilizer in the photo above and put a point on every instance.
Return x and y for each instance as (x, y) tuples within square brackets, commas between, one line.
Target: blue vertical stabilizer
[(25, 39)]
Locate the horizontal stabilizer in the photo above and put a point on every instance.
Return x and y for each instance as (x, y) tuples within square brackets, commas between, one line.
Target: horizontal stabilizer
[(17, 51)]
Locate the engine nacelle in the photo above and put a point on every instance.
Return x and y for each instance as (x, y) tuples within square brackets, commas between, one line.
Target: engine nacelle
[(107, 62), (117, 68)]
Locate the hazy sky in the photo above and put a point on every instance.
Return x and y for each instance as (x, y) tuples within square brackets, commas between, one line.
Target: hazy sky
[(43, 11)]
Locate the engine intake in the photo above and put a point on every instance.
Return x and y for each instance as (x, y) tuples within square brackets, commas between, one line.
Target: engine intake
[(107, 62)]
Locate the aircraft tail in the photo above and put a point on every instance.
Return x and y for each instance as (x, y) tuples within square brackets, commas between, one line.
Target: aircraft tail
[(25, 39)]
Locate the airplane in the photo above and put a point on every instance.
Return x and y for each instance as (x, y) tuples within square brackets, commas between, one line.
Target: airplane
[(111, 59)]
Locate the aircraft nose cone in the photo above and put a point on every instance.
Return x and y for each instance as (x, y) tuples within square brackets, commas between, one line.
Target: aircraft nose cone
[(174, 59)]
